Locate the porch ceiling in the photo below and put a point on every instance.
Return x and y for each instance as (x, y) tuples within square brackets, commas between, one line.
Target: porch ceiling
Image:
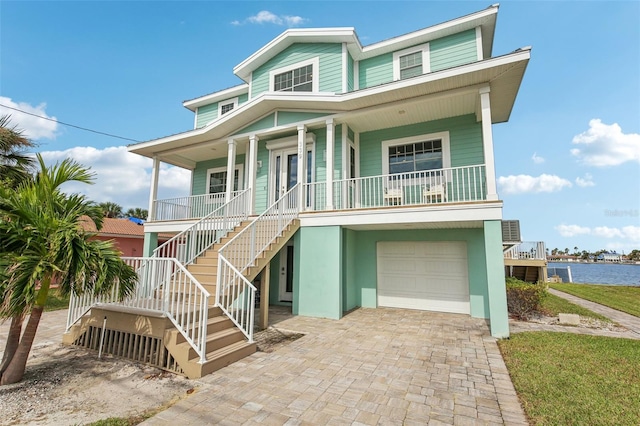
[(440, 94), (417, 225)]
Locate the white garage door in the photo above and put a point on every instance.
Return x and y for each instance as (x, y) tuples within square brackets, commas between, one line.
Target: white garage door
[(423, 275)]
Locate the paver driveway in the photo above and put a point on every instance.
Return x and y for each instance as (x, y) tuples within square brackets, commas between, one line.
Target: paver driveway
[(374, 366)]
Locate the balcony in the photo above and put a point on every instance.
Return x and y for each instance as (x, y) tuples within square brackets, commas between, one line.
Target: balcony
[(433, 187)]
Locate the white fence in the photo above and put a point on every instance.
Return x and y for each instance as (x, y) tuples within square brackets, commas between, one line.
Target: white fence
[(529, 250)]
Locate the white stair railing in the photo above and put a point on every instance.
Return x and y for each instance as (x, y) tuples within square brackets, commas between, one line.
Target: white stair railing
[(235, 295), (193, 241), (190, 207), (165, 285)]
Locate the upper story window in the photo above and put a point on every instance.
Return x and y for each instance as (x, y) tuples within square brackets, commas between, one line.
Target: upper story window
[(411, 62), (226, 106), (416, 154), (299, 77), (217, 179)]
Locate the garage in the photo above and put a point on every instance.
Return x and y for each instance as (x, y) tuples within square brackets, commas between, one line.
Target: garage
[(425, 275)]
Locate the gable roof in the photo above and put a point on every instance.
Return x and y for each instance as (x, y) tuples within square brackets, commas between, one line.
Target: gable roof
[(113, 227), (485, 19)]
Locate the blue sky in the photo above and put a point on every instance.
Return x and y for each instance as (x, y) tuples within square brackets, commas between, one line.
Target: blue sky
[(567, 162)]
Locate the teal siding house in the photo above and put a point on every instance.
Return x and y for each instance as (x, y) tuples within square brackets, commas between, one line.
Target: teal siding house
[(338, 175)]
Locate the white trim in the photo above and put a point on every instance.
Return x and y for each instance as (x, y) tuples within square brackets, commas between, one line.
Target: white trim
[(479, 43), (289, 142), (330, 164), (195, 118), (487, 143), (426, 64), (233, 101), (345, 68), (250, 93), (315, 83), (192, 104), (443, 136), (356, 75), (345, 151), (238, 167), (153, 194)]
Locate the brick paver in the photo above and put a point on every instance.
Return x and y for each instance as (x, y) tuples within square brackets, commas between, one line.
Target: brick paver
[(374, 366)]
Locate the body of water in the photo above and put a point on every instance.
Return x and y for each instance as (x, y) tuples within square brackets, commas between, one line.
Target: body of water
[(602, 273)]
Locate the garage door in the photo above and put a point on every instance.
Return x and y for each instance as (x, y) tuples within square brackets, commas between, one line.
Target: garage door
[(423, 275)]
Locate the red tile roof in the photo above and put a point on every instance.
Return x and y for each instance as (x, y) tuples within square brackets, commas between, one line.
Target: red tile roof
[(115, 227)]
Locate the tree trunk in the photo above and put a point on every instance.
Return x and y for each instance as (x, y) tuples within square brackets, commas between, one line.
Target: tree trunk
[(13, 339), (15, 369)]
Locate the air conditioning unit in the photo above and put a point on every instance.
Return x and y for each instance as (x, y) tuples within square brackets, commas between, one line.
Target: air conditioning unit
[(511, 231)]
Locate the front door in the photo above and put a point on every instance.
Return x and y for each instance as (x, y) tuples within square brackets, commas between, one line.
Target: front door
[(286, 273), (284, 171)]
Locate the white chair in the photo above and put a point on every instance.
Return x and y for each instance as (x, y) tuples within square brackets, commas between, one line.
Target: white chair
[(393, 196), (435, 193)]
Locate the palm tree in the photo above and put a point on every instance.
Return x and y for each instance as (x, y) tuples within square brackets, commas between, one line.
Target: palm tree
[(42, 242), (15, 165), (138, 212), (111, 209)]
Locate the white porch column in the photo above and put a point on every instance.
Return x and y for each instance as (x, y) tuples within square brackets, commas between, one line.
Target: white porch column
[(153, 194), (487, 138), (253, 168), (330, 161), (302, 165), (231, 167)]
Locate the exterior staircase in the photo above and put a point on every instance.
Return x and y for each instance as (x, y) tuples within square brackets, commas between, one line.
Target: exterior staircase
[(197, 312)]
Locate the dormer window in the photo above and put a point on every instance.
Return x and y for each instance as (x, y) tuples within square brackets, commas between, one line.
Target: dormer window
[(411, 62), (226, 106), (298, 77)]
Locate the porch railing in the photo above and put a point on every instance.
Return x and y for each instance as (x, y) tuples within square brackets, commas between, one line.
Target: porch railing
[(529, 250), (235, 295), (190, 207), (450, 185), (193, 241), (164, 285)]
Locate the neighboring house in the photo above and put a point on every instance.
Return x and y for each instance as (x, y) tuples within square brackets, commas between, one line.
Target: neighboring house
[(351, 176), (127, 235), (610, 257), (392, 144)]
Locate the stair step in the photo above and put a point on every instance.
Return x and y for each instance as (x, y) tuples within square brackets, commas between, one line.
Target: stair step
[(217, 340), (221, 358)]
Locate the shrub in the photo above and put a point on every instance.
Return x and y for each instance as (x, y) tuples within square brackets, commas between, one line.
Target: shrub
[(523, 299)]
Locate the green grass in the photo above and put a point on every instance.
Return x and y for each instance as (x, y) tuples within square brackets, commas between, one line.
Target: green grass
[(553, 305), (572, 379), (55, 302), (121, 421), (622, 298)]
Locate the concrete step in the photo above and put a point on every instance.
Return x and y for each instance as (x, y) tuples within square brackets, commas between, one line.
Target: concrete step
[(222, 357)]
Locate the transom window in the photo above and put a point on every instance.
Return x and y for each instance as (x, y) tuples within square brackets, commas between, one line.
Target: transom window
[(296, 80), (226, 108), (410, 65), (415, 157)]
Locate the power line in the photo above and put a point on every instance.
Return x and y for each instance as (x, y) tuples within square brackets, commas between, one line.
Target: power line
[(70, 125)]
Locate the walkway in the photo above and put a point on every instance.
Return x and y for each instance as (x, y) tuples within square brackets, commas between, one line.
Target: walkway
[(52, 326), (374, 366)]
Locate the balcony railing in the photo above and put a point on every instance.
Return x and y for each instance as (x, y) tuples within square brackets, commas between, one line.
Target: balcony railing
[(527, 250), (191, 207), (450, 185)]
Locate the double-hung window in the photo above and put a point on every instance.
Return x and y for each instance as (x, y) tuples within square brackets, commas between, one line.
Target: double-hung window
[(217, 180), (416, 154), (299, 77), (411, 62)]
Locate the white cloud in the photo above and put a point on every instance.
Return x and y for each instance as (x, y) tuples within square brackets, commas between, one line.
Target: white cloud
[(122, 177), (627, 233), (586, 181), (537, 159), (572, 230), (266, 17), (521, 184), (606, 145), (34, 128)]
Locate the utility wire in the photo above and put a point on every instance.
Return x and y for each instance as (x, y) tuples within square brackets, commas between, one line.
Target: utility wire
[(70, 125)]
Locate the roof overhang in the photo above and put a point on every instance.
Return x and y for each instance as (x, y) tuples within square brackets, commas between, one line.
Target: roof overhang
[(484, 19), (231, 92), (432, 96)]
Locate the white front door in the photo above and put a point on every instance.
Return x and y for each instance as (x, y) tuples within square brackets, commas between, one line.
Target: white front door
[(286, 274), (284, 172)]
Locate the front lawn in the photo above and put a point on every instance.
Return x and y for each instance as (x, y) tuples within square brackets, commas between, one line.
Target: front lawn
[(622, 298), (55, 302), (572, 379), (552, 305)]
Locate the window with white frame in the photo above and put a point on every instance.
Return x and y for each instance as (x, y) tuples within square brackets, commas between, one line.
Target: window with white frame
[(411, 62), (217, 180), (416, 154), (299, 77), (226, 106)]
